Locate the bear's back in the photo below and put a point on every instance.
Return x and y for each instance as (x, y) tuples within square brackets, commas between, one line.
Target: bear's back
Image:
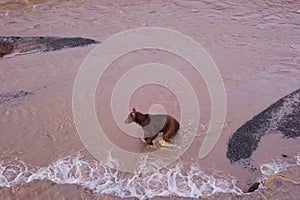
[(158, 123)]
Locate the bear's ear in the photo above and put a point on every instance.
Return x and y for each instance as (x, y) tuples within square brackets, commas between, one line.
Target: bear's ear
[(133, 110), (133, 116)]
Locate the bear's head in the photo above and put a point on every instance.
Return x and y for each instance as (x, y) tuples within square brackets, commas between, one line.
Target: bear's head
[(137, 117), (132, 117)]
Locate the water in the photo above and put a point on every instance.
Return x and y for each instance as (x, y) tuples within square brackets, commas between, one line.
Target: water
[(102, 179), (255, 46)]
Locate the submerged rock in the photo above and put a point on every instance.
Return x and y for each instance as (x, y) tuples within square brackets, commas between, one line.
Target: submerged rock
[(282, 116), (5, 48), (13, 96), (10, 45)]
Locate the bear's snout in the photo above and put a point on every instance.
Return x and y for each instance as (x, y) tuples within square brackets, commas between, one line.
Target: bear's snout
[(128, 120)]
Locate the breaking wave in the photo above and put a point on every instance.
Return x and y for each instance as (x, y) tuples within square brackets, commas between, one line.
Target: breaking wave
[(102, 179)]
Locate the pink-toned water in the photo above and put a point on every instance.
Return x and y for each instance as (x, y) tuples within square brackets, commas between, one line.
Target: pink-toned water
[(255, 46)]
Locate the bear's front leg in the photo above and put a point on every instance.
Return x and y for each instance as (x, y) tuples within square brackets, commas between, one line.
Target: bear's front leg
[(150, 139)]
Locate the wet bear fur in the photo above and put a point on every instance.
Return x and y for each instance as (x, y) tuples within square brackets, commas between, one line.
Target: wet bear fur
[(154, 124)]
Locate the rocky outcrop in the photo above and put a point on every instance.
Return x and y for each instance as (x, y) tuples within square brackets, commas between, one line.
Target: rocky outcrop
[(21, 45), (282, 116)]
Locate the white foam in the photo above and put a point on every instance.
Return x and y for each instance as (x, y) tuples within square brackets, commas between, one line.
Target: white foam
[(274, 167), (143, 184), (298, 159), (100, 178), (277, 166)]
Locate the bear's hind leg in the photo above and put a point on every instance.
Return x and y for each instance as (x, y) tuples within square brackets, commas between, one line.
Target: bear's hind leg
[(169, 134)]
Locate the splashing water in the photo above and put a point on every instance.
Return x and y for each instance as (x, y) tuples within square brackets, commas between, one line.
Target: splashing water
[(102, 179)]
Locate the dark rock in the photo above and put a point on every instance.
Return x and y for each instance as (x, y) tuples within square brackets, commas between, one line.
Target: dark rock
[(282, 116), (40, 44), (5, 48), (254, 187)]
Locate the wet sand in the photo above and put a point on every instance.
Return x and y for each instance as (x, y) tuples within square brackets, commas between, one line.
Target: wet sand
[(255, 46)]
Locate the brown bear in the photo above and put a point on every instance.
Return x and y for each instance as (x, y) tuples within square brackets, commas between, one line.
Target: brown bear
[(154, 124)]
